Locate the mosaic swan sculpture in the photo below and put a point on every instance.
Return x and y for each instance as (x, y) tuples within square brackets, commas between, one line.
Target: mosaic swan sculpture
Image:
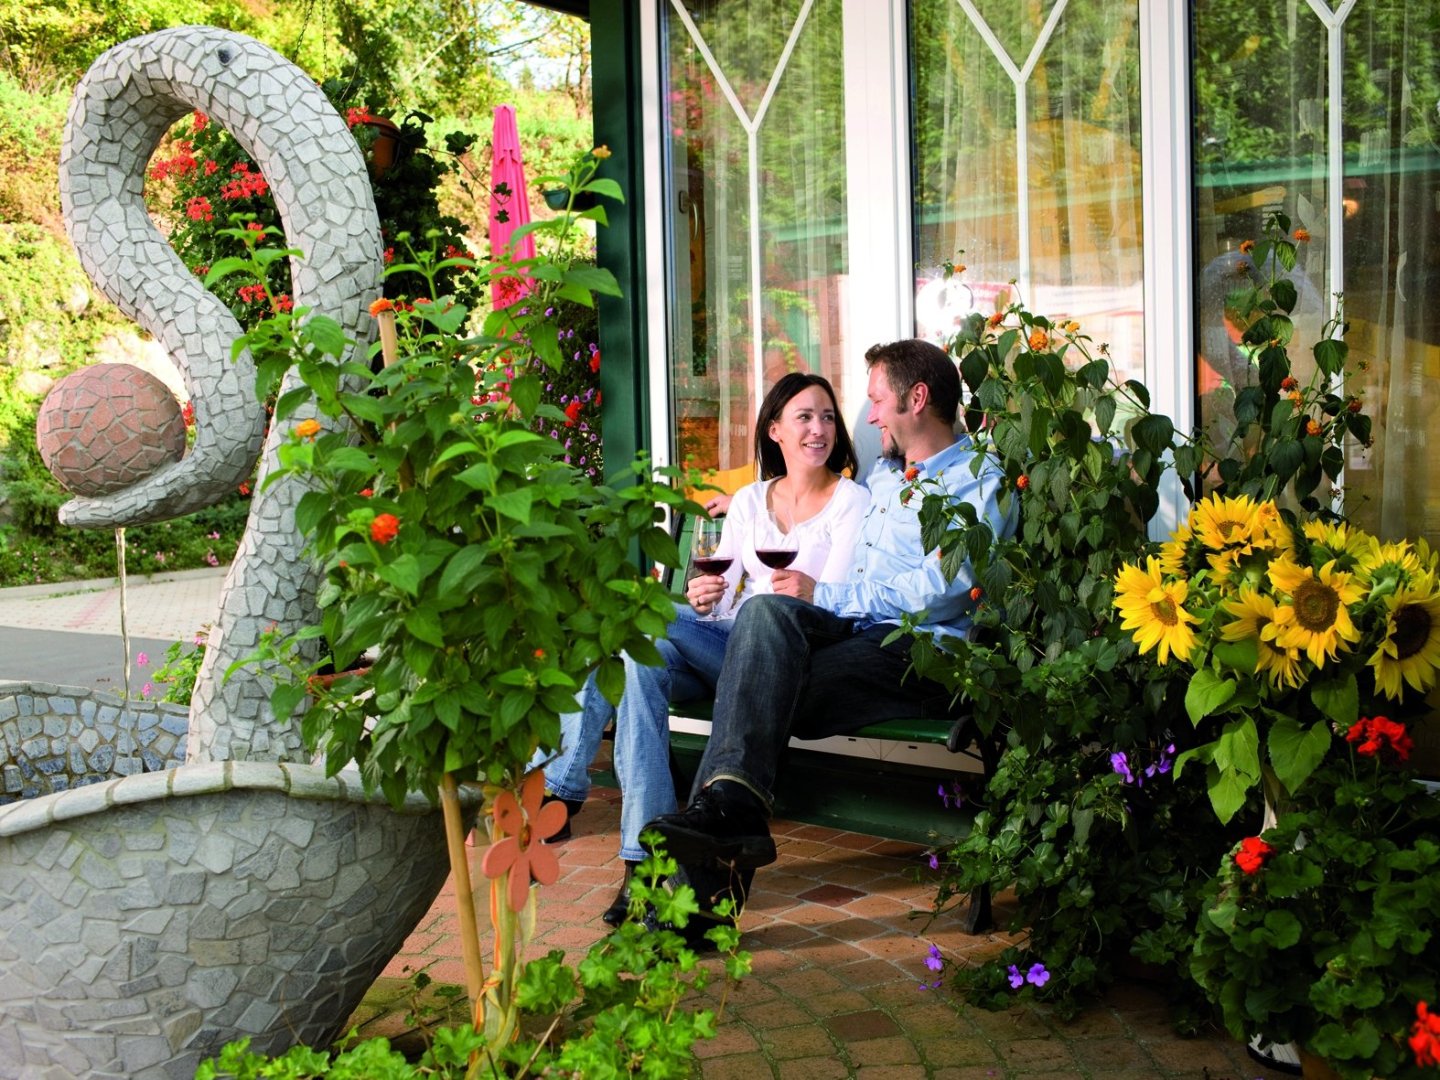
[(120, 111)]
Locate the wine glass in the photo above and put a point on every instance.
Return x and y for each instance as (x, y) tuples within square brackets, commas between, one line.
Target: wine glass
[(776, 544), (707, 555)]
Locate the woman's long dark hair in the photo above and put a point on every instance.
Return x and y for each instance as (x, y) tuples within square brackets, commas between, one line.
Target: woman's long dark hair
[(767, 450)]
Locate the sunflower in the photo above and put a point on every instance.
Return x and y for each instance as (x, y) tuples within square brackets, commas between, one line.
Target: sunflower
[(1222, 522), (1174, 550), (1317, 618), (1410, 652), (1272, 532), (1398, 562), (1154, 610), (1254, 613), (1337, 540)]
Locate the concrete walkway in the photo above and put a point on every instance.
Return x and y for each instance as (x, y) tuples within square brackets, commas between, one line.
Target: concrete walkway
[(838, 959)]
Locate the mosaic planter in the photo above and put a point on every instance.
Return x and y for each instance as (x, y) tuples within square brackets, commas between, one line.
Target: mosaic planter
[(148, 919)]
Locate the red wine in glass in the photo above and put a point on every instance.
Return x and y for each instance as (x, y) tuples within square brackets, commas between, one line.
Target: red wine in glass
[(712, 564), (776, 558)]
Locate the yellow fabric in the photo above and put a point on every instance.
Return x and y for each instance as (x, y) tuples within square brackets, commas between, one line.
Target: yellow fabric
[(727, 480)]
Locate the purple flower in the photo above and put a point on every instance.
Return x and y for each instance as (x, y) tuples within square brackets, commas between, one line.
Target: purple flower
[(933, 959), (1036, 976), (1166, 762), (1121, 765), (1016, 979), (934, 861)]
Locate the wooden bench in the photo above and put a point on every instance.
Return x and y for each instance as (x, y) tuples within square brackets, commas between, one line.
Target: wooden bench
[(885, 778)]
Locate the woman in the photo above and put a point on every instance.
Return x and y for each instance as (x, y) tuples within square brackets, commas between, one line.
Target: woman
[(802, 448)]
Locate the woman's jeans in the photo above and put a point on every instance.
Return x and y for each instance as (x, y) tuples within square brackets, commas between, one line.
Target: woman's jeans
[(694, 653)]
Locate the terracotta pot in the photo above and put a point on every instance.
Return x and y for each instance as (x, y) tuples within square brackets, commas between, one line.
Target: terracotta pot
[(386, 148), (1314, 1067)]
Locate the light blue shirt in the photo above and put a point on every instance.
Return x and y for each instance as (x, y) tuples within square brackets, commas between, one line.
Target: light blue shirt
[(893, 575)]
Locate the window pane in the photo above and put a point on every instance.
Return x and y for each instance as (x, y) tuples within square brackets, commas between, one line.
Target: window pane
[(1263, 100), (758, 166), (1012, 90)]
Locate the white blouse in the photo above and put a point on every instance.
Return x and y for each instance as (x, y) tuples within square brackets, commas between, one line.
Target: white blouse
[(826, 541)]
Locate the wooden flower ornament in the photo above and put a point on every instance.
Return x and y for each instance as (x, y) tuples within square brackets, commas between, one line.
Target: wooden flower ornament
[(519, 829)]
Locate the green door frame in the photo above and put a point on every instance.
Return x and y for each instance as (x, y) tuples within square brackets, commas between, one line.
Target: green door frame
[(624, 338)]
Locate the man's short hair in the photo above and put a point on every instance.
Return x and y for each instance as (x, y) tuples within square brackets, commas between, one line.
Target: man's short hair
[(913, 361)]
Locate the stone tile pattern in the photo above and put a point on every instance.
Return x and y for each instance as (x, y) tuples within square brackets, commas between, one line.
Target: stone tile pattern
[(835, 990), (108, 426), (120, 110), (147, 920), (55, 738)]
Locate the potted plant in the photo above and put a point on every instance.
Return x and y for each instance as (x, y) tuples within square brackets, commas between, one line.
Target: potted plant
[(483, 579), (1320, 931)]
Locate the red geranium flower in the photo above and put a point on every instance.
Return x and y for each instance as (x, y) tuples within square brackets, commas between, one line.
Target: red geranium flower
[(1252, 854), (1372, 735), (1425, 1036), (384, 528), (572, 412), (595, 361)]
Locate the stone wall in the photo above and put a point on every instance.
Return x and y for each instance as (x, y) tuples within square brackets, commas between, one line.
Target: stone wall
[(53, 738)]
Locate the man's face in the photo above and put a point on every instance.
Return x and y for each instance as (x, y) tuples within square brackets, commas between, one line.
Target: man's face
[(888, 413)]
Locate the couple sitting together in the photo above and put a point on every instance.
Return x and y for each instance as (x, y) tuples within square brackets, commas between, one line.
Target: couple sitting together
[(798, 651)]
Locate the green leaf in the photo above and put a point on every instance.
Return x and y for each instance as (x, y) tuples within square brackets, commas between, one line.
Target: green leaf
[(1330, 355), (525, 393), (1295, 751), (513, 504), (403, 573), (1339, 699), (1227, 792), (423, 623), (1104, 413), (1207, 693), (1284, 295), (1154, 433)]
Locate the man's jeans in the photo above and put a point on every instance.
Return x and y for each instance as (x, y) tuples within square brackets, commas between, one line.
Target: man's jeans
[(792, 668), (693, 652)]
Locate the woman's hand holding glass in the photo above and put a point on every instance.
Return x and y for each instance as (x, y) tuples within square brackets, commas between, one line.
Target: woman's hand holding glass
[(710, 559)]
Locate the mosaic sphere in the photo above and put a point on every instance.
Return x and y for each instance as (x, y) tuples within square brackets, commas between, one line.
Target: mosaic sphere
[(108, 426)]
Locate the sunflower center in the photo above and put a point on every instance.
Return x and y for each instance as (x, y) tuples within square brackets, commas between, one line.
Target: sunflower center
[(1229, 528), (1164, 611), (1412, 630), (1316, 605)]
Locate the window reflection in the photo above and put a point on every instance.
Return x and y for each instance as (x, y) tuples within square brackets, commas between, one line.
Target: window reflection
[(757, 231), (1046, 96), (1262, 105)]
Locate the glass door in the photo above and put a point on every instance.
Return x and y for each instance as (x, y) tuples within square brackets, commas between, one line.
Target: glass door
[(753, 120)]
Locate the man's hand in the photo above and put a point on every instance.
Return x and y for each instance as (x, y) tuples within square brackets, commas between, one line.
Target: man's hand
[(718, 504), (704, 592), (793, 583)]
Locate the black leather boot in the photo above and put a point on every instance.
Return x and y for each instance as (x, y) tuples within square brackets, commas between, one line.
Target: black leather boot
[(726, 823), (615, 914)]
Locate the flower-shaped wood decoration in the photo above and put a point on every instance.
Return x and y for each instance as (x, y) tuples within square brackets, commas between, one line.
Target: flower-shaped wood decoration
[(519, 828)]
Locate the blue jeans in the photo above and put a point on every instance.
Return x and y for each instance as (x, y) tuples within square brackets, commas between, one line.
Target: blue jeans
[(694, 652), (793, 669)]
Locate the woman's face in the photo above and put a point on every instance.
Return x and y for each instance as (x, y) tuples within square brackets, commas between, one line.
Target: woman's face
[(805, 431)]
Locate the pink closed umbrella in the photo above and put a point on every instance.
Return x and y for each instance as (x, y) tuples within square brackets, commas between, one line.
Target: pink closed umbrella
[(509, 204)]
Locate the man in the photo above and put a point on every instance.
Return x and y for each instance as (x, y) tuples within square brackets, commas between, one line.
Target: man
[(809, 661)]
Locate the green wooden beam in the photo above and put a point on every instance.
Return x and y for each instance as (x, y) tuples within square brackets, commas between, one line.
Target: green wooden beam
[(620, 248)]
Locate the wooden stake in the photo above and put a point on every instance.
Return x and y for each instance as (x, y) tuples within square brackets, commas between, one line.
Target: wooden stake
[(464, 892)]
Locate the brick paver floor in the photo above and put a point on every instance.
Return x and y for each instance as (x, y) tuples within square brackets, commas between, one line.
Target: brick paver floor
[(837, 966)]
